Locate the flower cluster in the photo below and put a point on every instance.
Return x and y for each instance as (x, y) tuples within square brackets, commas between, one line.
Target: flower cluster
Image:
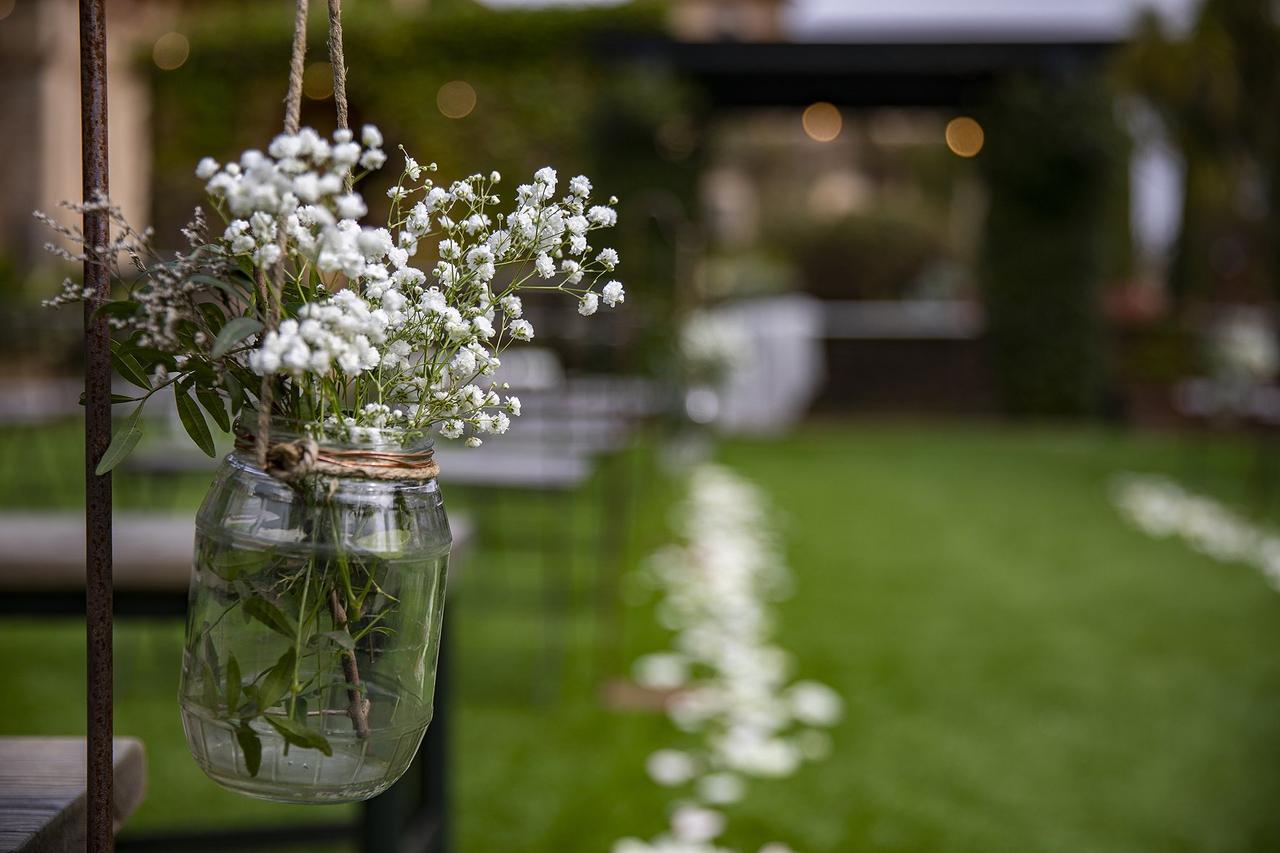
[(424, 335), (1162, 508), (725, 682), (351, 324)]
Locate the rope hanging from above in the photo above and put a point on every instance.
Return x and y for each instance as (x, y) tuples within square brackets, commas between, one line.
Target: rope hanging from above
[(270, 291)]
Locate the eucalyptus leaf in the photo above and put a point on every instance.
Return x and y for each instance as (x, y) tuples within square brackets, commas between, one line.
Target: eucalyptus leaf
[(129, 369), (115, 398), (212, 402), (122, 443), (235, 331), (226, 287), (193, 421), (251, 746), (213, 315), (299, 735)]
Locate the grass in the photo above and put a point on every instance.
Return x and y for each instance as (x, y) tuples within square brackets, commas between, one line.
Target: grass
[(1023, 671)]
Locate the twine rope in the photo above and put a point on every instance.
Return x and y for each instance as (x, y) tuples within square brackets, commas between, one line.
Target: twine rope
[(292, 460), (270, 291), (338, 61)]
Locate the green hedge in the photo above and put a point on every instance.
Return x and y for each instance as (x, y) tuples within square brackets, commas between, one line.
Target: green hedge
[(1051, 163)]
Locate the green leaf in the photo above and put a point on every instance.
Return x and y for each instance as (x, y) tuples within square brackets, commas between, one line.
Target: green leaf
[(235, 331), (233, 683), (277, 681), (209, 690), (230, 565), (210, 652), (226, 287), (251, 746), (118, 308), (212, 402), (270, 615), (213, 315), (193, 421), (235, 391), (129, 369), (115, 398), (342, 638), (122, 443), (299, 735), (300, 710), (385, 541)]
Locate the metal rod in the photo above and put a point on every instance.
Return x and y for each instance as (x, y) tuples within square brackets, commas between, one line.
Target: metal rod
[(97, 413)]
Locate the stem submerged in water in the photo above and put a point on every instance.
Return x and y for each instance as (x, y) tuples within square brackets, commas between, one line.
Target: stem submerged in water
[(358, 710)]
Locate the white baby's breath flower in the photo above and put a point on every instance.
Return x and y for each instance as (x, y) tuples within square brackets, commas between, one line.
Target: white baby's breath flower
[(602, 217), (588, 304), (545, 266), (521, 330), (512, 306), (613, 294), (206, 168)]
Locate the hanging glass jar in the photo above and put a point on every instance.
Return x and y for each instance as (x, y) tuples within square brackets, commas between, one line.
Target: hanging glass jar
[(314, 616)]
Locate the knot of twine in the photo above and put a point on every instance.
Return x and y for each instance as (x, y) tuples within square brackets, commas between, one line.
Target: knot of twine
[(292, 460)]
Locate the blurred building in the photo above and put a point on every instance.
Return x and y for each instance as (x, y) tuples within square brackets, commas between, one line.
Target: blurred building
[(40, 111), (733, 20)]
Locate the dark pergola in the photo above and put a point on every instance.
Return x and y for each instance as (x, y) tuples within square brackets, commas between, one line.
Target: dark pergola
[(920, 70)]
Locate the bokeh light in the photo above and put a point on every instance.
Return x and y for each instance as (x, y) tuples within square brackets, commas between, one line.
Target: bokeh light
[(456, 99), (965, 136), (317, 81), (822, 121), (171, 51)]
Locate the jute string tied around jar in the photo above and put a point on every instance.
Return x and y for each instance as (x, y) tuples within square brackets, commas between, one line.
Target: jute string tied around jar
[(292, 460)]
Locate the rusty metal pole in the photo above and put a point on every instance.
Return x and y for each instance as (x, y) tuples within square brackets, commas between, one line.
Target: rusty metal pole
[(97, 418)]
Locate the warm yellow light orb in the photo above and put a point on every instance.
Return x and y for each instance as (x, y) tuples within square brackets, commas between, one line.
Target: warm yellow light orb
[(822, 122), (456, 99), (170, 51), (965, 136), (317, 81)]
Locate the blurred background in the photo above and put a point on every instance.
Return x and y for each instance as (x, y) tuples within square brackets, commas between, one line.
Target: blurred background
[(932, 274)]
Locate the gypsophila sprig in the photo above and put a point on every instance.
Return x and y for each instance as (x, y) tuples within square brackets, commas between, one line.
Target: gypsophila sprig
[(373, 327)]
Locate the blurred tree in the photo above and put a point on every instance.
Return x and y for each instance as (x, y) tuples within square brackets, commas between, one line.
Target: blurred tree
[(1051, 163), (1218, 93)]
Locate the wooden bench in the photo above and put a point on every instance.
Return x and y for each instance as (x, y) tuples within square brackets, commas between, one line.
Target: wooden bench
[(43, 792), (42, 563)]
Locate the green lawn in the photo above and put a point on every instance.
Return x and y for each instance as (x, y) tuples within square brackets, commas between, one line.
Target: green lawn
[(1023, 671)]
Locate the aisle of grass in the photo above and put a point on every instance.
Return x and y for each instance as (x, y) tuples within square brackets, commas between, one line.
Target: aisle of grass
[(1024, 672)]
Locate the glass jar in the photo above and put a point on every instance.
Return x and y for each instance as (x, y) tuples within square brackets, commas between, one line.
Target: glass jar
[(313, 626)]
